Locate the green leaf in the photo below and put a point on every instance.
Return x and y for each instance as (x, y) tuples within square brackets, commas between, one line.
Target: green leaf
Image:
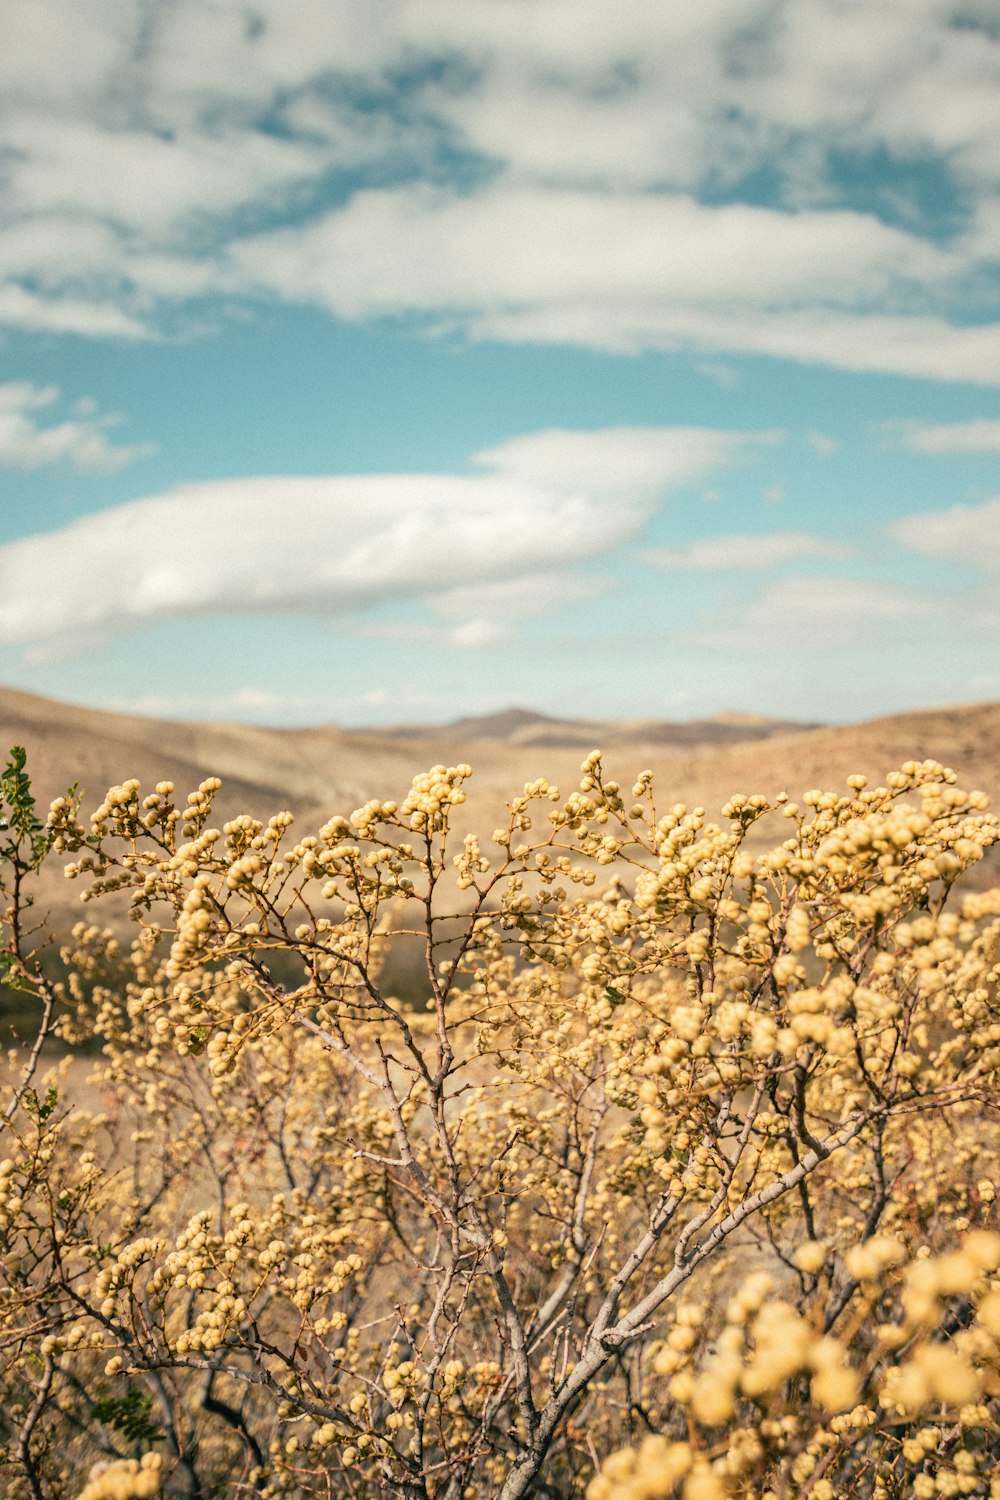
[(43, 1108), (17, 811), (129, 1414)]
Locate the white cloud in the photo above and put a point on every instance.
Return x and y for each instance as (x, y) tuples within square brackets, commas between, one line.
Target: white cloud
[(26, 444), (722, 374), (147, 183), (822, 443), (20, 308), (801, 614), (981, 436), (421, 248), (469, 546), (639, 460), (244, 705), (926, 348), (159, 154), (744, 554), (967, 534), (479, 616), (477, 634), (516, 599), (21, 395)]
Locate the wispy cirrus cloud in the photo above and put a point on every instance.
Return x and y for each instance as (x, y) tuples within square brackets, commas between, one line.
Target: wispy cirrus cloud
[(795, 615), (968, 534), (981, 435), (480, 633), (479, 616), (520, 598), (735, 553)]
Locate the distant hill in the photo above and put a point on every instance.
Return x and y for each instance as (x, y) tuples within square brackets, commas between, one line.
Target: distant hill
[(316, 772), (523, 726)]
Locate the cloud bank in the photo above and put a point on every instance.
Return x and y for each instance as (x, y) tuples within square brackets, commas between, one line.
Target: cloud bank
[(799, 179)]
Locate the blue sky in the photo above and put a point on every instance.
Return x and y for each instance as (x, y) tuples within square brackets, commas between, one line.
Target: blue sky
[(388, 360)]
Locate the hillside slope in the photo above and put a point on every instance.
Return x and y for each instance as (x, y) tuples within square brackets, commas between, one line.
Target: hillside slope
[(316, 772)]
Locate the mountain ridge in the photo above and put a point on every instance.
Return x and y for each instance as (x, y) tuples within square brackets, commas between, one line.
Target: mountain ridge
[(525, 726)]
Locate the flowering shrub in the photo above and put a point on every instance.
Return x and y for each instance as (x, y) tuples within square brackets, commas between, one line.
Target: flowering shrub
[(678, 1179)]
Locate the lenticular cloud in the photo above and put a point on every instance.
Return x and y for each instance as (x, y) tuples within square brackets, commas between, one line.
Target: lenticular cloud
[(329, 546)]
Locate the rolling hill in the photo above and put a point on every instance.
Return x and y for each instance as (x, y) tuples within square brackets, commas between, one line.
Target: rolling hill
[(315, 772)]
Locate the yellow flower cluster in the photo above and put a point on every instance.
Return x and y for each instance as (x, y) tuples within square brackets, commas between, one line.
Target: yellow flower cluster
[(917, 1369), (124, 1479), (416, 1162), (432, 795)]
